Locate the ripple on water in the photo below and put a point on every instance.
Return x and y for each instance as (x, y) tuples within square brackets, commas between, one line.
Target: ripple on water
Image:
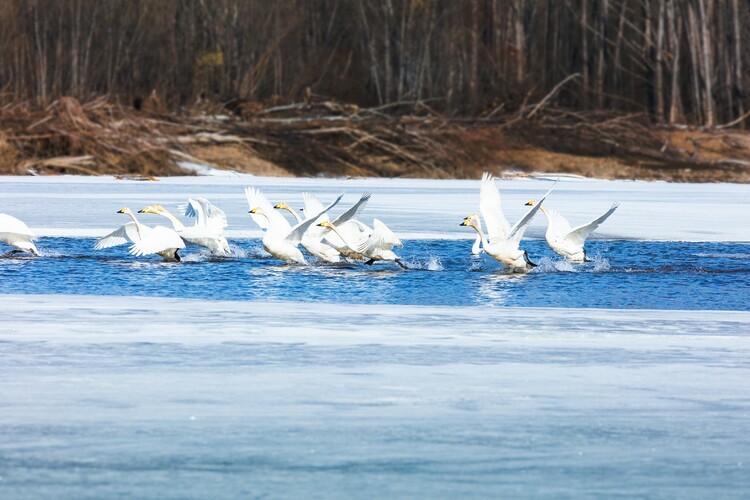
[(622, 274)]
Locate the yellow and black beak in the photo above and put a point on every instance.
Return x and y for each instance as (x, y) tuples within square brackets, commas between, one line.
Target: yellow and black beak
[(253, 211), (121, 211), (142, 211), (466, 222), (279, 205)]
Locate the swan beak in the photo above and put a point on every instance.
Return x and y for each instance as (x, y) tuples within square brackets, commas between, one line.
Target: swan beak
[(146, 210), (281, 206), (122, 211), (530, 203), (326, 224), (253, 211), (466, 222)]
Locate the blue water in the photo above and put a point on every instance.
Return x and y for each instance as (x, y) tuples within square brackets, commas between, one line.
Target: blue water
[(623, 274)]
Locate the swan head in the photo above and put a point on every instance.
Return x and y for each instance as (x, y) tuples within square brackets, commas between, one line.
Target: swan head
[(471, 221), (326, 224), (255, 210), (152, 209), (125, 210), (531, 203), (282, 206)]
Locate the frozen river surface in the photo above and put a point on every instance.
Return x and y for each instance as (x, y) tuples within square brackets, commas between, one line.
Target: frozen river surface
[(625, 377), (108, 397)]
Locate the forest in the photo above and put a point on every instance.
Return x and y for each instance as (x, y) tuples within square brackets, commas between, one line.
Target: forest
[(582, 70)]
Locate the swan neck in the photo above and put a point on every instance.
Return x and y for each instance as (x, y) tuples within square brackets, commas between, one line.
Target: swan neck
[(343, 238), (178, 226), (135, 221), (294, 214), (478, 228)]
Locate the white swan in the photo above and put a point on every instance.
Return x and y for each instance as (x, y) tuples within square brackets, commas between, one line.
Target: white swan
[(320, 241), (134, 232), (131, 232), (568, 241), (15, 233), (377, 246), (502, 241), (280, 239), (161, 240), (207, 230)]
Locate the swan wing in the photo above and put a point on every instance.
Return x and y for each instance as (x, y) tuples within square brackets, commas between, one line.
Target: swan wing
[(516, 233), (273, 221), (314, 206), (382, 238), (295, 234), (353, 230), (159, 239), (353, 211), (208, 214), (580, 233), (492, 212), (9, 224), (127, 233)]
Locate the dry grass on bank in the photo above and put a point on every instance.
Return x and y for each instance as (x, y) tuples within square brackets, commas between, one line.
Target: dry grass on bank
[(334, 139)]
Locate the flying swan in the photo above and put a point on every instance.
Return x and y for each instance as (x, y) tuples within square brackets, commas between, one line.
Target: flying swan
[(565, 240), (280, 239), (502, 241), (15, 233)]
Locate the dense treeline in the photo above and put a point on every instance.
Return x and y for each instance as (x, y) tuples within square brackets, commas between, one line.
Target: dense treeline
[(679, 61)]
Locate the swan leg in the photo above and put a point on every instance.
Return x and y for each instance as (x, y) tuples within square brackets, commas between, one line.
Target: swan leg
[(13, 252), (369, 262), (586, 257), (177, 257), (401, 263), (529, 264)]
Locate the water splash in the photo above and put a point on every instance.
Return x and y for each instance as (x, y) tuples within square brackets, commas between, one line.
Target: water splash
[(433, 264), (600, 263)]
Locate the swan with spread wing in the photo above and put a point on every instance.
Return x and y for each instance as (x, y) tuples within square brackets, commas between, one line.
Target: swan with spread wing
[(207, 230), (501, 241), (568, 241), (280, 239), (320, 241), (376, 246), (145, 240)]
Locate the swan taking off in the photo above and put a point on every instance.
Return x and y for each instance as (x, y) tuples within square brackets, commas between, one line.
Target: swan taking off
[(163, 242), (565, 240), (280, 239), (502, 242), (207, 230), (320, 241), (15, 233), (377, 246)]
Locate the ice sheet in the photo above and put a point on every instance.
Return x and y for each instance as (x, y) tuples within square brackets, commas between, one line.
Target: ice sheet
[(86, 206), (169, 398)]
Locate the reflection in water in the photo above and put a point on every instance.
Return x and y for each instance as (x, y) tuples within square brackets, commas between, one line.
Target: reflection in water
[(623, 274), (495, 288)]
